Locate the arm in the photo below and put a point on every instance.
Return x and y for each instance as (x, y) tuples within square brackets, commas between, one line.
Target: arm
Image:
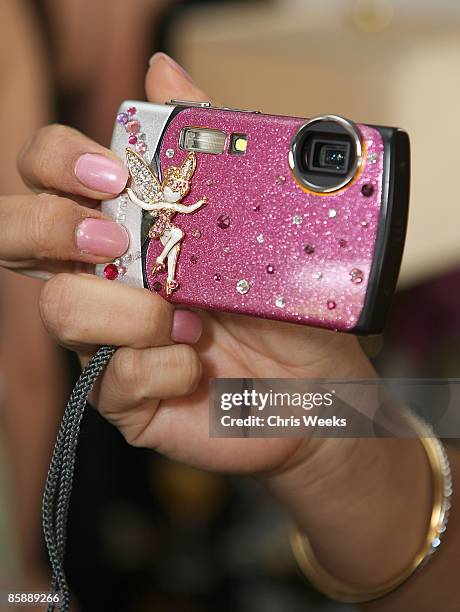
[(144, 205), (30, 363), (180, 208), (187, 209)]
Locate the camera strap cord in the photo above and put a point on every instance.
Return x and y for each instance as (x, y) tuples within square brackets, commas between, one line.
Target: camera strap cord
[(58, 487)]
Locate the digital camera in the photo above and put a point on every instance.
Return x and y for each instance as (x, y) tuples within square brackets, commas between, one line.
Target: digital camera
[(298, 220)]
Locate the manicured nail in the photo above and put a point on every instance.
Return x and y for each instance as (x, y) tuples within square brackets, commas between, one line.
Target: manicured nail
[(160, 56), (101, 238), (101, 173), (186, 327)]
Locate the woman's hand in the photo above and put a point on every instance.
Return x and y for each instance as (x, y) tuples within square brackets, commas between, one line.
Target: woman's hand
[(50, 232), (155, 389)]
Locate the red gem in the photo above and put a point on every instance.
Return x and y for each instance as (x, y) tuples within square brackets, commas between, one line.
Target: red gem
[(367, 190), (331, 304), (132, 139), (111, 272), (270, 269), (223, 221), (131, 110)]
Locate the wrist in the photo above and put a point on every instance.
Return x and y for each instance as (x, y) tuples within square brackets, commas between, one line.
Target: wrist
[(364, 504)]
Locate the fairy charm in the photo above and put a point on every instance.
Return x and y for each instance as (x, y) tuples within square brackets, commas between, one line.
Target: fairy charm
[(163, 202)]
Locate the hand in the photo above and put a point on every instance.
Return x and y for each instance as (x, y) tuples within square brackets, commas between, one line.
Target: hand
[(155, 389)]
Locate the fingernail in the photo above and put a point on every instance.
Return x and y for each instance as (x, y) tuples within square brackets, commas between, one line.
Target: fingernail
[(101, 173), (186, 327), (101, 238), (160, 56)]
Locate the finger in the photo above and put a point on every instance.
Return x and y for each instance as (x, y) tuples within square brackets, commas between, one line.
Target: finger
[(135, 380), (166, 80), (59, 158), (84, 311), (48, 227)]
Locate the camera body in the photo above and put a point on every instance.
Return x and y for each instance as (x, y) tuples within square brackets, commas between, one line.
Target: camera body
[(277, 217)]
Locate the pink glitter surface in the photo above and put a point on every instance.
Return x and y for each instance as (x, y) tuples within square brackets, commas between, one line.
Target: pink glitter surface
[(262, 244)]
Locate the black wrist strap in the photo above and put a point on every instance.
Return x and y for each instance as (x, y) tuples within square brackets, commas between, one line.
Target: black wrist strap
[(59, 481)]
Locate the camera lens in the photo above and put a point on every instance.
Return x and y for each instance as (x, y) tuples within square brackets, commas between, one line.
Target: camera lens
[(333, 158), (326, 153)]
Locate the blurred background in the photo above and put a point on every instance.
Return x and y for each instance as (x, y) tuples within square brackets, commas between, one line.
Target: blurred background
[(147, 534)]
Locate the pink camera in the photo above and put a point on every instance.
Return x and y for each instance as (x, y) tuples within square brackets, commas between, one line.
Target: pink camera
[(277, 217)]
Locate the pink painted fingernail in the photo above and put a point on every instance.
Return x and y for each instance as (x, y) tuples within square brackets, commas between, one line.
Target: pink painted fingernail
[(160, 56), (101, 173), (101, 238), (186, 327)]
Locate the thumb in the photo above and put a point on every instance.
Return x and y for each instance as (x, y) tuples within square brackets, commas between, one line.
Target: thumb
[(167, 80)]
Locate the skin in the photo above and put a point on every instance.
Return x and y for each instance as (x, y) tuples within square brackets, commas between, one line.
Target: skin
[(32, 372), (357, 495)]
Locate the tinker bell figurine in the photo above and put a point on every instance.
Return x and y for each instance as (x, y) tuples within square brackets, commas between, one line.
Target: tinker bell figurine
[(163, 202)]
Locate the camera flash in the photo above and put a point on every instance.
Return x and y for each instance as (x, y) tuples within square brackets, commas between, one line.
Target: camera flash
[(238, 144), (202, 140)]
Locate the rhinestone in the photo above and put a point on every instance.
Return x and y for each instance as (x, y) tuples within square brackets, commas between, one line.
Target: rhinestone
[(132, 139), (131, 110), (133, 126), (364, 223), (372, 158), (367, 190), (342, 243), (331, 304), (356, 276), (297, 219), (309, 249), (436, 542), (122, 270), (157, 286), (280, 302), (142, 136), (196, 233), (280, 180), (209, 182), (318, 275), (331, 213), (141, 147), (256, 208), (193, 259), (242, 286), (111, 271), (270, 269), (227, 250), (169, 153), (122, 118), (260, 238), (217, 276), (223, 221)]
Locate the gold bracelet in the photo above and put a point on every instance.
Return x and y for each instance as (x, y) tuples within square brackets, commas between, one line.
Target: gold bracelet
[(442, 493)]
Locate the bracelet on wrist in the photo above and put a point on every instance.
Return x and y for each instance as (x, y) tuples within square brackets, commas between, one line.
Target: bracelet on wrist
[(442, 493)]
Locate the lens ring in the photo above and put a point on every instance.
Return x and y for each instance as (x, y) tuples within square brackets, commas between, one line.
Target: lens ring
[(351, 129)]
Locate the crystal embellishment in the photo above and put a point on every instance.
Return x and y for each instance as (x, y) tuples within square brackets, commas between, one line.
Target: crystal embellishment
[(243, 286), (280, 302)]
